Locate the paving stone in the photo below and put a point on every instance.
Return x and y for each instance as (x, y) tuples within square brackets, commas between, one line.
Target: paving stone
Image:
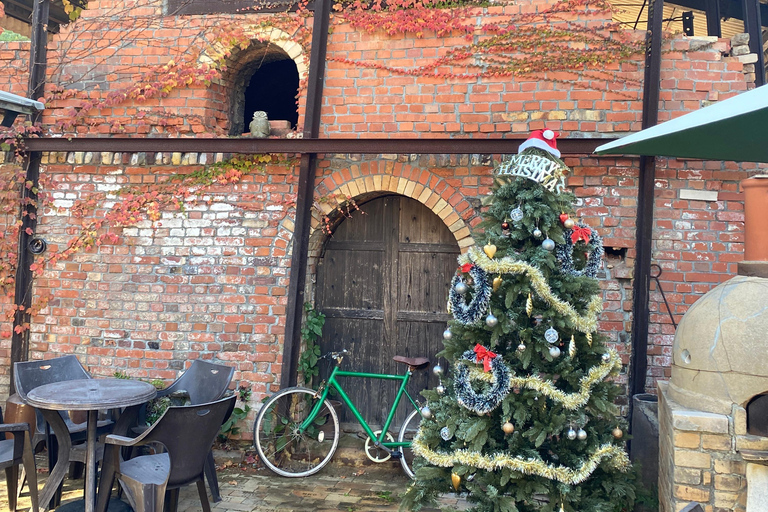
[(338, 488)]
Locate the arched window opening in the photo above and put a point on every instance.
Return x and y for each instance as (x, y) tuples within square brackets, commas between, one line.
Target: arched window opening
[(273, 89), (264, 78)]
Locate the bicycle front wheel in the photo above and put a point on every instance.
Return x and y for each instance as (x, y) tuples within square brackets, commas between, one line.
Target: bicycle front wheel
[(407, 433), (282, 446)]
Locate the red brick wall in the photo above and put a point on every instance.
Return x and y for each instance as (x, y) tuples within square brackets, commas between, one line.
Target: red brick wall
[(212, 283)]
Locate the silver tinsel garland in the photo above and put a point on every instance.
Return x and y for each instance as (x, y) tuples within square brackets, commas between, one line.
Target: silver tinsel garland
[(470, 313), (564, 254), (491, 399)]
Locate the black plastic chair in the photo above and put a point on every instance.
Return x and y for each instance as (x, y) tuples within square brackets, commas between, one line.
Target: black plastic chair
[(202, 383), (14, 452), (186, 435), (29, 375)]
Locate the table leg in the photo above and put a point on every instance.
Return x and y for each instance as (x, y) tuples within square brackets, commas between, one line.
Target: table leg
[(90, 462), (111, 457), (62, 463)]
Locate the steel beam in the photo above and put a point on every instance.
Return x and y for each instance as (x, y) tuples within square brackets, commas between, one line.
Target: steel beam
[(305, 196), (712, 8), (28, 211), (753, 27), (573, 146), (645, 202)]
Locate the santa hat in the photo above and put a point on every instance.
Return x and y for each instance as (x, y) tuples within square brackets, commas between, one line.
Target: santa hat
[(541, 139)]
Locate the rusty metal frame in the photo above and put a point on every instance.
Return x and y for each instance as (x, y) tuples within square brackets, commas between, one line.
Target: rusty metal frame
[(571, 146)]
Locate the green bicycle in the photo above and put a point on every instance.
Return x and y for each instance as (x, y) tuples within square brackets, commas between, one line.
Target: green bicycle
[(297, 430)]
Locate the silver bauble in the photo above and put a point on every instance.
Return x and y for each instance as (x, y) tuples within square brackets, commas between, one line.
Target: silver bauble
[(426, 413), (551, 335), (437, 370), (516, 214), (440, 389), (447, 334), (571, 434), (521, 347), (445, 433), (606, 357), (462, 288), (554, 352), (537, 232), (548, 244), (491, 320), (581, 434)]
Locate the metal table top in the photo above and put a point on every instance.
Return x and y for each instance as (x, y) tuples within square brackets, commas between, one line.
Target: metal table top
[(91, 394)]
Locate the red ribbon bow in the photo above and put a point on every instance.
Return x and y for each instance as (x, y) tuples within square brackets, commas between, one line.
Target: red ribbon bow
[(483, 355), (466, 267), (580, 233)]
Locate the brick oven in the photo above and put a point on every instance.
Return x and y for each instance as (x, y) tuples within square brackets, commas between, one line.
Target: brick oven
[(713, 413)]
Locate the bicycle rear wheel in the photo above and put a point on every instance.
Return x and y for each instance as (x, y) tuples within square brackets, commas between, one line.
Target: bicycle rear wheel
[(407, 433), (282, 447)]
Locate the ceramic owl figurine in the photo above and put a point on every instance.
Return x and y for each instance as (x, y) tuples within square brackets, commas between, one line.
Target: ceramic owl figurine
[(260, 125)]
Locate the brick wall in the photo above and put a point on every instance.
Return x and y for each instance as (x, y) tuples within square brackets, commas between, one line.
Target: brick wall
[(212, 283)]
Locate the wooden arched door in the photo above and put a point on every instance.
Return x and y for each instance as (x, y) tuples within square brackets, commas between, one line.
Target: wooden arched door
[(383, 283)]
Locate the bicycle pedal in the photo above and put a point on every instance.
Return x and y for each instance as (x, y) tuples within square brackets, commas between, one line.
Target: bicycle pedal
[(396, 454)]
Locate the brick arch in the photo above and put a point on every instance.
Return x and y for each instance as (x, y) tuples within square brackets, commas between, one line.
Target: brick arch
[(267, 46), (371, 179)]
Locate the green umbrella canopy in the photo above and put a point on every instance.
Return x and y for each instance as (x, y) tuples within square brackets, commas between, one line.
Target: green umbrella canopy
[(733, 129)]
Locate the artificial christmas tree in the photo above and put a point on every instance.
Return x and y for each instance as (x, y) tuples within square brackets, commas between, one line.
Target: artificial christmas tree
[(524, 418)]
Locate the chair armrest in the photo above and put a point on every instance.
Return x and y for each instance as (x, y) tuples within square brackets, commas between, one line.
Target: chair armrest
[(120, 440), (14, 427)]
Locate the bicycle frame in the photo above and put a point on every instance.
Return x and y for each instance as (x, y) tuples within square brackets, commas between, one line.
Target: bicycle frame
[(333, 383)]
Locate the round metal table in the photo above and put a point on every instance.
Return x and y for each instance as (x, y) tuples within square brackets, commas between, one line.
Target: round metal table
[(89, 395)]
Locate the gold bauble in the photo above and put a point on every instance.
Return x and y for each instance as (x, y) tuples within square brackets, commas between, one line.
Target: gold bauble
[(489, 250), (496, 283), (455, 480), (617, 433), (568, 223), (508, 428)]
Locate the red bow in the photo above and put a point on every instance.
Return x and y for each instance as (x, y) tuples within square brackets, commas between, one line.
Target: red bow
[(580, 233), (466, 267), (484, 356)]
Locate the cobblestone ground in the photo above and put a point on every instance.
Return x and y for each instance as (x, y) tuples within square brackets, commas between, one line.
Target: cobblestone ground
[(244, 489)]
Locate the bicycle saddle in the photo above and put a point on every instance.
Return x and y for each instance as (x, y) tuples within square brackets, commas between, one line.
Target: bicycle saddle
[(416, 363)]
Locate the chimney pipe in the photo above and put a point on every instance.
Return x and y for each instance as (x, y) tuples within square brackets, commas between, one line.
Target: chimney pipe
[(755, 227)]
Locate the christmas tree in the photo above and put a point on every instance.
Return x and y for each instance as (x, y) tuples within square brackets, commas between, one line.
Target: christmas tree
[(524, 418)]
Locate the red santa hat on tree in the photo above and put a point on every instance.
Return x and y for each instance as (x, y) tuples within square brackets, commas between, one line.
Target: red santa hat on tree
[(541, 139)]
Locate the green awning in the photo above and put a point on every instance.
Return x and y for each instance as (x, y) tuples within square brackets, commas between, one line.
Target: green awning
[(734, 129)]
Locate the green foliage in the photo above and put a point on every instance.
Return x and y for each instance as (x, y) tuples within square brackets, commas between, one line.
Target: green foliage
[(230, 427), (311, 331)]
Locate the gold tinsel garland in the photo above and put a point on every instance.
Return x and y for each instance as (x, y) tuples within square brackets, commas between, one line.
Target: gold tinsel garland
[(570, 401), (615, 454), (508, 265)]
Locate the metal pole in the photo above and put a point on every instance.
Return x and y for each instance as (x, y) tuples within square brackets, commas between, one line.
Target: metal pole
[(28, 211), (640, 286), (753, 26), (713, 17), (305, 196)]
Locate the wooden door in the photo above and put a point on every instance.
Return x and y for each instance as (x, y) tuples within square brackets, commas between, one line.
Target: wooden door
[(382, 283)]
